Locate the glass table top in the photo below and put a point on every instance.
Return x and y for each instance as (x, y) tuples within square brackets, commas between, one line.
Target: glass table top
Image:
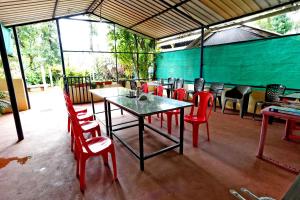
[(110, 92), (153, 104)]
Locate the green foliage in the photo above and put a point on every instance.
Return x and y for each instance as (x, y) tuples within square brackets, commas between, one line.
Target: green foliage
[(279, 24), (131, 63), (39, 46)]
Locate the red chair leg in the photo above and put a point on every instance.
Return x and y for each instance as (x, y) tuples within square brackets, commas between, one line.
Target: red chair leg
[(169, 122), (82, 172), (207, 130), (105, 158), (77, 165), (149, 119), (113, 159), (69, 124), (72, 140), (176, 118), (157, 115), (98, 130), (195, 134)]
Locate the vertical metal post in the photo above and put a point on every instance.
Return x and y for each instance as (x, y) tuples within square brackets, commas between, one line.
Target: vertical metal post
[(61, 54), (17, 42), (141, 142), (10, 87), (201, 52), (116, 55), (137, 56)]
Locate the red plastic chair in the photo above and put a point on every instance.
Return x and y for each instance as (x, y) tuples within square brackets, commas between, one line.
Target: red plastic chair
[(81, 112), (145, 88), (180, 95), (88, 125), (203, 113), (158, 92), (86, 148)]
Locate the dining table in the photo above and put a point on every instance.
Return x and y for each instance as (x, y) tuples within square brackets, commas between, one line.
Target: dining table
[(105, 93), (141, 108)]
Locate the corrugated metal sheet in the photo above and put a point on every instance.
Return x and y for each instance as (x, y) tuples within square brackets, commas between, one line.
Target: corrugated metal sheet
[(155, 18)]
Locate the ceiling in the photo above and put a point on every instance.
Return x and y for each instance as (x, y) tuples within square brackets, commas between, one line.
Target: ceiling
[(153, 18)]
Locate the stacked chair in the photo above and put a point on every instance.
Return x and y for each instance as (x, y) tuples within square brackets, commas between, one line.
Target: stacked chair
[(216, 89), (238, 94), (272, 96), (85, 147), (198, 87)]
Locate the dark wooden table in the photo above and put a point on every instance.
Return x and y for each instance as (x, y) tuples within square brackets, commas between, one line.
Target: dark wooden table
[(141, 109)]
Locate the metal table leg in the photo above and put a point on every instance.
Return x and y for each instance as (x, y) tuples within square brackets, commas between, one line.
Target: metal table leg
[(106, 116), (109, 124), (93, 106), (141, 141), (181, 130)]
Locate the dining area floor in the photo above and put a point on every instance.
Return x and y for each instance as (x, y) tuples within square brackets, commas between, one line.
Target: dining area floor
[(42, 166)]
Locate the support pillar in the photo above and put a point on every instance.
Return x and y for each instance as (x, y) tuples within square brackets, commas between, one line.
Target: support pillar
[(61, 54), (116, 55), (201, 52), (10, 87)]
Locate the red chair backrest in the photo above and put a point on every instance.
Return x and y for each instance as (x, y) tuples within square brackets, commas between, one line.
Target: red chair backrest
[(159, 90), (145, 88), (205, 98), (179, 94), (78, 133)]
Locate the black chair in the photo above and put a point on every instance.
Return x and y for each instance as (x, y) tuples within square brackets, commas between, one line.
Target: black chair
[(179, 83), (198, 87), (272, 96), (238, 94), (133, 85), (216, 89), (170, 86)]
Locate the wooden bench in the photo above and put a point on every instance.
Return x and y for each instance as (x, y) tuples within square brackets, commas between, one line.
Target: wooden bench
[(40, 86)]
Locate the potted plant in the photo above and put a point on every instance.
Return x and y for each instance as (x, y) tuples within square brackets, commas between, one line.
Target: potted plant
[(3, 103)]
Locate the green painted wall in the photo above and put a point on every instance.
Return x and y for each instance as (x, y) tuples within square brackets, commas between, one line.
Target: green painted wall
[(258, 63), (179, 64)]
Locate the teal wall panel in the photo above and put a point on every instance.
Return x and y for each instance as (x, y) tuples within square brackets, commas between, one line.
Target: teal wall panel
[(258, 63), (179, 64)]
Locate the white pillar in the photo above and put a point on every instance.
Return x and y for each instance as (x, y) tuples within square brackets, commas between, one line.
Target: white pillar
[(44, 76)]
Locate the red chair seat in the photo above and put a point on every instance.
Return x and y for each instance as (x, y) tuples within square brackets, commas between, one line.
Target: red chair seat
[(195, 119), (80, 110), (97, 144)]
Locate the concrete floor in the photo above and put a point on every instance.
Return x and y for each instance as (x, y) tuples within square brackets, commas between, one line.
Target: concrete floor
[(43, 167)]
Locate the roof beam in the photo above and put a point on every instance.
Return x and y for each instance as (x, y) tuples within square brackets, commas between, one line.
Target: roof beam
[(183, 13), (100, 3), (136, 32), (255, 13), (54, 10), (90, 6), (157, 14)]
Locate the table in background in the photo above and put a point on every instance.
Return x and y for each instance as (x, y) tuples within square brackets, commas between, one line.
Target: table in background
[(266, 113), (105, 93), (141, 109), (293, 96)]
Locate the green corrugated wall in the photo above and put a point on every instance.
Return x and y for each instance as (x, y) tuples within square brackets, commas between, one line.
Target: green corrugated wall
[(257, 63)]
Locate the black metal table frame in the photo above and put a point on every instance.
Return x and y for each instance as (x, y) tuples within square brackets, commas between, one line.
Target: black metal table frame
[(141, 156), (105, 112)]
